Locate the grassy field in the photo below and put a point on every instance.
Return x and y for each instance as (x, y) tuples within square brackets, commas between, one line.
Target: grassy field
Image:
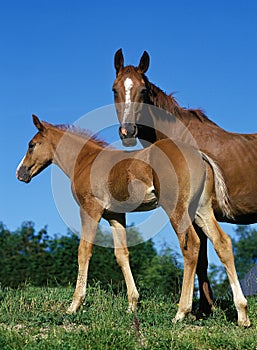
[(34, 318)]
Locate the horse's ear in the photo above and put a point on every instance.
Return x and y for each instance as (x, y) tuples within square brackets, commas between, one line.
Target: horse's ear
[(144, 62), (38, 124), (118, 61)]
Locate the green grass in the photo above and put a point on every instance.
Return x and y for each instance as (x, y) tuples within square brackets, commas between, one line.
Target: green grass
[(34, 318)]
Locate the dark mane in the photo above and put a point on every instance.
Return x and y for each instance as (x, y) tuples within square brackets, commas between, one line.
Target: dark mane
[(82, 133), (168, 102)]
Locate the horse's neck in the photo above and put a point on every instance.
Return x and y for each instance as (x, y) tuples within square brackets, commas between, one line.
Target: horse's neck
[(68, 148), (164, 116), (159, 99), (177, 122)]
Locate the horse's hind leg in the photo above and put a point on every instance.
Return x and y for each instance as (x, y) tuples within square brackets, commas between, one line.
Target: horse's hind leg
[(206, 297), (223, 246), (121, 252), (189, 244)]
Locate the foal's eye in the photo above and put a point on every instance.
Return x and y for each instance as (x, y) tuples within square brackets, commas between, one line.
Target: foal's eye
[(31, 146), (115, 91)]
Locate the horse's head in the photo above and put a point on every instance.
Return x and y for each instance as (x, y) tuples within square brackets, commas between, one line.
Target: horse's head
[(130, 93), (39, 154)]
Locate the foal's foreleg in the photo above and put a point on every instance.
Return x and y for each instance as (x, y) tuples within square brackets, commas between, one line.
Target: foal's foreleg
[(84, 255), (122, 256), (189, 244), (89, 227)]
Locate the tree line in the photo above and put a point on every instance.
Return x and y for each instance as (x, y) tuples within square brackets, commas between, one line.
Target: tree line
[(38, 258)]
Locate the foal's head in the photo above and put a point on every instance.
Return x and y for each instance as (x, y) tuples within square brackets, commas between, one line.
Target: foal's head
[(39, 154), (131, 91)]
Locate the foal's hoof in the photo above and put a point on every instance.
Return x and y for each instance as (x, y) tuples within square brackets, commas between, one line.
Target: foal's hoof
[(244, 323), (71, 310), (179, 317), (132, 308)]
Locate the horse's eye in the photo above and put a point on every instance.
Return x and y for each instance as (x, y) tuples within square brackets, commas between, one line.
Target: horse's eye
[(143, 91)]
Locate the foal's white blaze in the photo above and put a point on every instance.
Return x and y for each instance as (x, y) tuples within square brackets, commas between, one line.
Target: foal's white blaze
[(18, 167), (128, 83)]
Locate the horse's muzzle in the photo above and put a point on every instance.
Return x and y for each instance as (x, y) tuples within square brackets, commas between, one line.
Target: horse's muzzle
[(23, 174), (128, 134)]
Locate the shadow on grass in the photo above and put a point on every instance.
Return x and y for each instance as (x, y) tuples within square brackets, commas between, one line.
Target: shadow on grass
[(225, 306)]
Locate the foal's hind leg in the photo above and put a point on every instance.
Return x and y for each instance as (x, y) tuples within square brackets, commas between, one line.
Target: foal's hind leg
[(189, 244), (121, 252), (223, 246)]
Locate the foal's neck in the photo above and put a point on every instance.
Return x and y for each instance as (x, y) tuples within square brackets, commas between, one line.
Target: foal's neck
[(68, 147)]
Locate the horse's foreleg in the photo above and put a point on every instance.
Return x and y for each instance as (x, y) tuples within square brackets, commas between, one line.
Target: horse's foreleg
[(189, 244), (122, 256), (89, 227), (206, 296)]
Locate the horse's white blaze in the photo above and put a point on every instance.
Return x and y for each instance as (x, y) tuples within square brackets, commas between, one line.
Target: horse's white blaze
[(128, 83), (18, 167)]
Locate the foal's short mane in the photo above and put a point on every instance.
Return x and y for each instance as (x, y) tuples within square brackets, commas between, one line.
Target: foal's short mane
[(169, 103), (81, 133)]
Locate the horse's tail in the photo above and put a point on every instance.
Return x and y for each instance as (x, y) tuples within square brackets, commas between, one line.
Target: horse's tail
[(221, 190)]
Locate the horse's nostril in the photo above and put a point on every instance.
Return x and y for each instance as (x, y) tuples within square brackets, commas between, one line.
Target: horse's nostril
[(128, 137), (123, 131), (135, 131), (128, 130)]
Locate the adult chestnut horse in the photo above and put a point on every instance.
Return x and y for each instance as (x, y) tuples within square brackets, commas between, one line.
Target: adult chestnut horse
[(146, 112), (107, 183)]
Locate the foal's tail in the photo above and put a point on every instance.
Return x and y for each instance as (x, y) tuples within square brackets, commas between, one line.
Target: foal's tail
[(220, 188)]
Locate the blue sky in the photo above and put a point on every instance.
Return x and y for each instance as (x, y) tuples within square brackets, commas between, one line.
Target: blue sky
[(57, 62)]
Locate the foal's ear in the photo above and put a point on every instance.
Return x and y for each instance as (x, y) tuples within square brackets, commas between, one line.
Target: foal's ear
[(38, 124), (118, 61), (144, 62)]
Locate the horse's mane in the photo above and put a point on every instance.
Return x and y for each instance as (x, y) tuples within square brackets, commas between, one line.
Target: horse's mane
[(86, 134), (168, 102)]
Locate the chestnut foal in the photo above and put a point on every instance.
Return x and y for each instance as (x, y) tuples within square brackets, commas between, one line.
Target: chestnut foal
[(107, 183)]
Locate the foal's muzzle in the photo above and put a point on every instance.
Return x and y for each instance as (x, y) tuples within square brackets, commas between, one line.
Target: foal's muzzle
[(23, 174), (128, 134)]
